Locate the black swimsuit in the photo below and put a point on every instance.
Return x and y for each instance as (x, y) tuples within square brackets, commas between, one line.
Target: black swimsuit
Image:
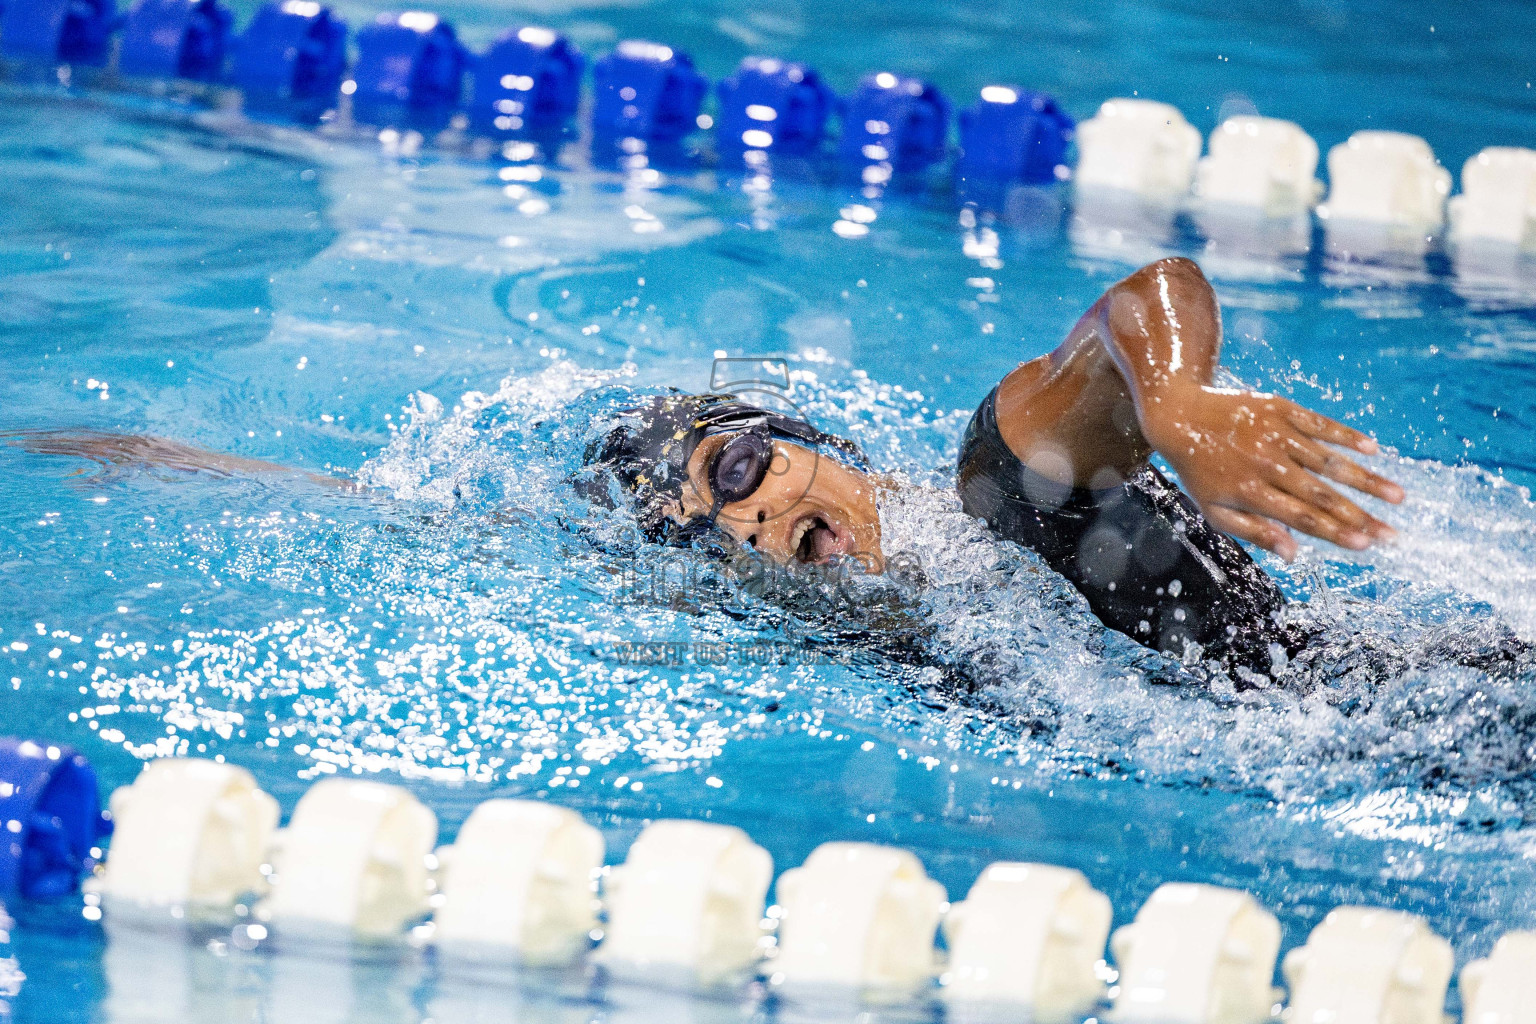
[(1141, 553)]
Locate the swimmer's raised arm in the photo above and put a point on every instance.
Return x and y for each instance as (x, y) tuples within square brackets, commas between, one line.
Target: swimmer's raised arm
[(1135, 376)]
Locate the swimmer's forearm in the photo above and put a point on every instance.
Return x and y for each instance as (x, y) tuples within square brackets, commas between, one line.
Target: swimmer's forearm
[(185, 458)]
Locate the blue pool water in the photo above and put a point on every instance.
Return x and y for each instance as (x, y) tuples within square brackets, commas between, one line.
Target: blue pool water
[(425, 322)]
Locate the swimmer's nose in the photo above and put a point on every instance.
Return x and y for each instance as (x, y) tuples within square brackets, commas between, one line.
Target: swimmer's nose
[(749, 518), (757, 513)]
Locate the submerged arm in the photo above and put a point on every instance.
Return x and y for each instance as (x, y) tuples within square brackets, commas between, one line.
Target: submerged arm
[(141, 451), (1135, 376)]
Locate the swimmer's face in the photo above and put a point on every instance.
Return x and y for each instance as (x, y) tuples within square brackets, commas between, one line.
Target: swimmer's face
[(809, 508)]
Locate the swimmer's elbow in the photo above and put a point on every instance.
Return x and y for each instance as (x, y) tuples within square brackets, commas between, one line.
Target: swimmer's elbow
[(1161, 296), (1174, 273)]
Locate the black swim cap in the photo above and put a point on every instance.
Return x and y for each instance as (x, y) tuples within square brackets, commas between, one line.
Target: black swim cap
[(647, 451)]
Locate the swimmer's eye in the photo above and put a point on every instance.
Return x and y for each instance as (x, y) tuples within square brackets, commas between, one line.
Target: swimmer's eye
[(738, 468)]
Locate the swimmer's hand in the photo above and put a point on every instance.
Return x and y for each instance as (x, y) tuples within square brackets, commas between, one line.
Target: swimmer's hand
[(1256, 465)]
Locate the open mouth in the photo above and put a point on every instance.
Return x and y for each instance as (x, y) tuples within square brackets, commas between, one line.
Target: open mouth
[(816, 540)]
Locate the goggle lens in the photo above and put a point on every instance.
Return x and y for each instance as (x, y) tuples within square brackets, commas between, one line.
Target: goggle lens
[(739, 468)]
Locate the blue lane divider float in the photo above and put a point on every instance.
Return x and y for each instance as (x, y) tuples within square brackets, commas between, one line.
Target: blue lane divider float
[(903, 122), (1014, 134), (292, 50), (530, 79), (71, 31), (646, 91), (410, 68), (176, 39), (770, 104), (410, 60), (50, 819)]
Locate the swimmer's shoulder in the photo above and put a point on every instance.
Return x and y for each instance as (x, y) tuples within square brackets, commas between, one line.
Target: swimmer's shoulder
[(1017, 405)]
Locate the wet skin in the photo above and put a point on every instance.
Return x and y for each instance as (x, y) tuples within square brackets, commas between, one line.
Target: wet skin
[(1133, 377)]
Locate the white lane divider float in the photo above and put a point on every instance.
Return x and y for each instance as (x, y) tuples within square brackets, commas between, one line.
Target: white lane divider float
[(686, 906), (1386, 178), (11, 976), (1502, 988), (518, 884), (1028, 936), (1262, 164), (1498, 198), (352, 861), (1139, 146), (1197, 954), (858, 917), (1369, 966), (190, 834)]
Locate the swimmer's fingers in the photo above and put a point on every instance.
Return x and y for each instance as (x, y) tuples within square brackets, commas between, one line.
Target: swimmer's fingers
[(1264, 533), (1309, 519), (1299, 481), (1324, 429), (1328, 463)]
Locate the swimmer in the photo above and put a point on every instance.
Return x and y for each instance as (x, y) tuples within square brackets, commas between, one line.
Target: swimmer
[(1056, 458)]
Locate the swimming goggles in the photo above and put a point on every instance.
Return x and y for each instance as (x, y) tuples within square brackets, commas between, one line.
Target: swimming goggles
[(734, 472), (739, 468)]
